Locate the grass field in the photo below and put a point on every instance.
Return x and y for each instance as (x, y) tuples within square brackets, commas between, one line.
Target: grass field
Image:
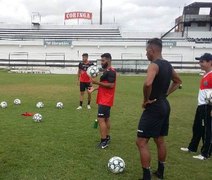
[(63, 146)]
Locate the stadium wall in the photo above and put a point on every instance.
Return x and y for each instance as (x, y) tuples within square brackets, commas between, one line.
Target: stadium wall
[(180, 51)]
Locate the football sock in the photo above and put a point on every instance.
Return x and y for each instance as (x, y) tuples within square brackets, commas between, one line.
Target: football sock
[(80, 103), (102, 140), (89, 102), (160, 168), (146, 174)]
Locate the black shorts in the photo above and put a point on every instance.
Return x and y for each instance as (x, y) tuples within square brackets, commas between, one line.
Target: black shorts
[(84, 86), (103, 111), (154, 121)]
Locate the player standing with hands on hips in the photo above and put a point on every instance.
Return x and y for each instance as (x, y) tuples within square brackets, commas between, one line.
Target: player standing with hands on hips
[(84, 80), (154, 121), (105, 98)]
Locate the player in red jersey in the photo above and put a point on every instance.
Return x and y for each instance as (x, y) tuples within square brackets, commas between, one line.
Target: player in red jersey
[(84, 80), (202, 126), (105, 98)]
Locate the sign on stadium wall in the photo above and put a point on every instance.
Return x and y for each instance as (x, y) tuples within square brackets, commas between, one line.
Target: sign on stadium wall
[(78, 15), (57, 42), (169, 43)]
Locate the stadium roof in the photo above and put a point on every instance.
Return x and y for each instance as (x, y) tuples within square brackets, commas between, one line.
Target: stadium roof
[(195, 7)]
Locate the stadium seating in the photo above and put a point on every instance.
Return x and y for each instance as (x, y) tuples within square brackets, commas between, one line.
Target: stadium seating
[(72, 33)]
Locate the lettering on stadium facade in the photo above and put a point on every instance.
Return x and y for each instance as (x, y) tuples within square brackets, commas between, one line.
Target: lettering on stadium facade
[(78, 15)]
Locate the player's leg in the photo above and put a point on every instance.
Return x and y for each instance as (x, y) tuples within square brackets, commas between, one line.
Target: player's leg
[(163, 128), (142, 144), (107, 120), (89, 97), (82, 92), (206, 149), (197, 130), (102, 126), (143, 134), (162, 152)]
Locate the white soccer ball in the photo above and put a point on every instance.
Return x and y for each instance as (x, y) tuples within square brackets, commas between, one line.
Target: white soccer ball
[(37, 117), (93, 71), (208, 97), (40, 105), (59, 105), (3, 104), (116, 164), (17, 101)]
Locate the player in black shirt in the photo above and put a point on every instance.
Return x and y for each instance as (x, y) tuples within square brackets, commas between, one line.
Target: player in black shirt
[(154, 120)]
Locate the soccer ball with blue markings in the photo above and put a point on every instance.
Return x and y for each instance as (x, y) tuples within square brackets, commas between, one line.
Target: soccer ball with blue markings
[(116, 165), (93, 71)]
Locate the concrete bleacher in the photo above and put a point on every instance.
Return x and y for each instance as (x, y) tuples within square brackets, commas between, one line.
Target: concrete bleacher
[(67, 32)]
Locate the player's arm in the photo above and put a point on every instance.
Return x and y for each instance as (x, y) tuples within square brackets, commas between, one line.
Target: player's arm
[(152, 71), (111, 81), (103, 84), (176, 82), (78, 74), (92, 89)]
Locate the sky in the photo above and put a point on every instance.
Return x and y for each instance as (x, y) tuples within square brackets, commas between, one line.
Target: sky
[(142, 15)]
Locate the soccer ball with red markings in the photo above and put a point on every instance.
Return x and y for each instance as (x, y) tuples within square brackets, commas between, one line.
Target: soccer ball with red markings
[(116, 165), (93, 71), (208, 97)]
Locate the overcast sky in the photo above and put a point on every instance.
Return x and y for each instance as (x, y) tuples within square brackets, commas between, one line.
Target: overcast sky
[(143, 15)]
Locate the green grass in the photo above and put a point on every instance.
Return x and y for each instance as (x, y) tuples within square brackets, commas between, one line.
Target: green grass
[(63, 146)]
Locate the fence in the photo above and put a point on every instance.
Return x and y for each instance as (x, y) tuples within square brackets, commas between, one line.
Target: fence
[(121, 65)]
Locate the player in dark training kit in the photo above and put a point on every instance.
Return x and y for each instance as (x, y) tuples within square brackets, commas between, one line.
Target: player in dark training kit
[(84, 80), (154, 122), (105, 98)]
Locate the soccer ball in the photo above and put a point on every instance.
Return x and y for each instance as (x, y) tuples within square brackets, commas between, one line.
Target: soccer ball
[(208, 97), (59, 105), (17, 101), (3, 104), (93, 71), (40, 105), (37, 117), (116, 165)]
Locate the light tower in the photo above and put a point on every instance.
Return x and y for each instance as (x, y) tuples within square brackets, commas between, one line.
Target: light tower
[(100, 22)]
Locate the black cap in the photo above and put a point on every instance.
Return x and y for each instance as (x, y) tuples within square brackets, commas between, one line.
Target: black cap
[(206, 57)]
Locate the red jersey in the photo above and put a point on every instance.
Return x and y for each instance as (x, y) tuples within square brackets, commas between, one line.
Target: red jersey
[(83, 74), (205, 87), (105, 95)]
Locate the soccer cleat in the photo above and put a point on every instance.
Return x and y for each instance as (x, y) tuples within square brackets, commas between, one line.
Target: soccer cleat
[(108, 139), (88, 106), (158, 175), (185, 149), (80, 107), (200, 157), (103, 144)]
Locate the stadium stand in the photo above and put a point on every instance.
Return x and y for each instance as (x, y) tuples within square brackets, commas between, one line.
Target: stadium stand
[(41, 48)]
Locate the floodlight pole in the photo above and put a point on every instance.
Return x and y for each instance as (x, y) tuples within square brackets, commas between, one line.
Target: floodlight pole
[(100, 22)]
